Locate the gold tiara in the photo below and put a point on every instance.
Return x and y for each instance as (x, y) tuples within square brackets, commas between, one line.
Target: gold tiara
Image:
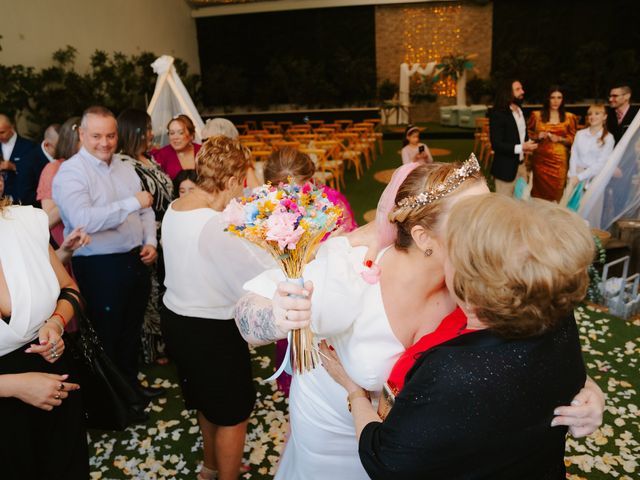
[(453, 181)]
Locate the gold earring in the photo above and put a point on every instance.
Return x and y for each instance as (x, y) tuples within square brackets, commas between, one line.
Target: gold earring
[(428, 252)]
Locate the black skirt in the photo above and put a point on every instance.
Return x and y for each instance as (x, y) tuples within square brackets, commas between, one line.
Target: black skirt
[(213, 365), (35, 443)]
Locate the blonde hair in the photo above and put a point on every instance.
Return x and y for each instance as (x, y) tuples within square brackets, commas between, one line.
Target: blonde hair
[(288, 162), (605, 131), (426, 177), (521, 265), (219, 159)]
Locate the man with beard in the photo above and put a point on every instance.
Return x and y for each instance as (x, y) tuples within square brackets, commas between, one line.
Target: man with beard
[(508, 130), (621, 113)]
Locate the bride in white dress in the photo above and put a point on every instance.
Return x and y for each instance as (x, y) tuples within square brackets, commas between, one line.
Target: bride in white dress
[(368, 322)]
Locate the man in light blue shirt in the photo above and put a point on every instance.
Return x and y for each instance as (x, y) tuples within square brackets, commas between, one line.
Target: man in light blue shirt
[(96, 190)]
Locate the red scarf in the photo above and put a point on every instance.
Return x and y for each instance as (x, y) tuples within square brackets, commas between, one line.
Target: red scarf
[(452, 326)]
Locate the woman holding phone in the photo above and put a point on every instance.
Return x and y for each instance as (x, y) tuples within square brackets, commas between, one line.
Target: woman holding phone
[(412, 149)]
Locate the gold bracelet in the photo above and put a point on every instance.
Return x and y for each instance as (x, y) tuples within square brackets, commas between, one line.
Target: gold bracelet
[(357, 394)]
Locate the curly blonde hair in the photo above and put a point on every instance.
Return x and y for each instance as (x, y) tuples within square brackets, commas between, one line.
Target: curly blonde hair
[(521, 265), (424, 178), (219, 159)]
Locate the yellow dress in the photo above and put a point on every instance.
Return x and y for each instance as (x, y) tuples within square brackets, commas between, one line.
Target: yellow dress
[(550, 161)]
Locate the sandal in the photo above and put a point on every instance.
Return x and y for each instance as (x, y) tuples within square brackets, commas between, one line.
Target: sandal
[(207, 473)]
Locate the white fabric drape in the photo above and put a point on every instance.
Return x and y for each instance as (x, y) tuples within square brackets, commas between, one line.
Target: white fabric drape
[(406, 71), (170, 98), (615, 192)]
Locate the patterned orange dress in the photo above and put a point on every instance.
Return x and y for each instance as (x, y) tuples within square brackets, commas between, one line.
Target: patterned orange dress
[(550, 161)]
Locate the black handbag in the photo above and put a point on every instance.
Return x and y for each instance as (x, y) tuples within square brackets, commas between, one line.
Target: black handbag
[(110, 401)]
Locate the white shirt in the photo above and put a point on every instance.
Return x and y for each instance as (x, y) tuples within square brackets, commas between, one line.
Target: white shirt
[(32, 283), (522, 130), (588, 155), (7, 148), (205, 266)]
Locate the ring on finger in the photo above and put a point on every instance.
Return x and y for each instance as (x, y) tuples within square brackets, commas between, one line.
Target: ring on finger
[(57, 396), (61, 386)]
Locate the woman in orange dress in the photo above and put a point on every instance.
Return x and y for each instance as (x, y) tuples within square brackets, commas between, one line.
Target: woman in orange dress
[(554, 130)]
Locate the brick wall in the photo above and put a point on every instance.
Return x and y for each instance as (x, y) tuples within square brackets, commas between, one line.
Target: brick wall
[(419, 22)]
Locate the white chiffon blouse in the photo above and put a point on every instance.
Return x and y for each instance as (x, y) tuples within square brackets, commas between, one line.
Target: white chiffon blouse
[(31, 280), (205, 267)]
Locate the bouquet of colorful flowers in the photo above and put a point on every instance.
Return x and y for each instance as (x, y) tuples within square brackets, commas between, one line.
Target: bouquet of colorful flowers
[(288, 221)]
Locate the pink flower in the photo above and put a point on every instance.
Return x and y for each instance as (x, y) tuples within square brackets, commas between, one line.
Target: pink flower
[(233, 214), (280, 228)]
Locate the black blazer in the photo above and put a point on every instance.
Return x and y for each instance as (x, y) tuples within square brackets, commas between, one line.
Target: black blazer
[(612, 122), (504, 137), (28, 171), (20, 149), (480, 407)]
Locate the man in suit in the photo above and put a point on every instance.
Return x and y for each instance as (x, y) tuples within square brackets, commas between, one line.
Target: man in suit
[(621, 112), (14, 148), (508, 131), (28, 170)]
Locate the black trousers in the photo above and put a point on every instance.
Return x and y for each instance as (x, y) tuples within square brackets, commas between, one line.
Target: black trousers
[(116, 288)]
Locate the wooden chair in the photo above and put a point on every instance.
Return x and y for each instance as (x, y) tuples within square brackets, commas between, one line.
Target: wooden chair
[(304, 138), (269, 139), (247, 138), (285, 125), (283, 144), (243, 128), (255, 145), (364, 143), (258, 133), (315, 123), (324, 132), (377, 132), (260, 155), (349, 152), (344, 123), (301, 126), (325, 172), (273, 129)]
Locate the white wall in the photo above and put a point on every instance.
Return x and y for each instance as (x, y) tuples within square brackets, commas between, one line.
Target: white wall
[(33, 29)]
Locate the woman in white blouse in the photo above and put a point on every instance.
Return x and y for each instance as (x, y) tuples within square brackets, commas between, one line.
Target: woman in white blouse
[(205, 270), (591, 147), (42, 433)]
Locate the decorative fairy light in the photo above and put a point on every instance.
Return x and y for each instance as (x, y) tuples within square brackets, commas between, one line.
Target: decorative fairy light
[(429, 33)]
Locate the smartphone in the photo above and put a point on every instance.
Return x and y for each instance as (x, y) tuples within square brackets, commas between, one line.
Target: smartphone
[(421, 149)]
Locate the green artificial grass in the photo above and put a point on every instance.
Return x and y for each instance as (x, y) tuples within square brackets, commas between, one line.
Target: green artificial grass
[(363, 194)]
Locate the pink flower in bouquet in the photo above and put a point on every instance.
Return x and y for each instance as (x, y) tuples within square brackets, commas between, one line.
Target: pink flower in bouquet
[(233, 214), (281, 228)]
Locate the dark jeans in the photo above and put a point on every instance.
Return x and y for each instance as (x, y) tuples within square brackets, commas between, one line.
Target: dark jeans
[(116, 288)]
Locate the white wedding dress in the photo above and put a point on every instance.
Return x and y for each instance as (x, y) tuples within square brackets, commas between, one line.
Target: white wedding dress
[(349, 313)]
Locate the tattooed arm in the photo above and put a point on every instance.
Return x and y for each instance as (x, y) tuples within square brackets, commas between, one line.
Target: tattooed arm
[(261, 321)]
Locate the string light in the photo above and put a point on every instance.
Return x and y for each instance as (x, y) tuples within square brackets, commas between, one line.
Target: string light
[(430, 33)]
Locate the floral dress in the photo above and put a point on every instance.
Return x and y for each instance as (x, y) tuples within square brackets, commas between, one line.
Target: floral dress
[(158, 184)]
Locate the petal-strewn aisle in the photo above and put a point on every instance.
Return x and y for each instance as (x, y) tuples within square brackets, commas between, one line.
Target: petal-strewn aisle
[(167, 445)]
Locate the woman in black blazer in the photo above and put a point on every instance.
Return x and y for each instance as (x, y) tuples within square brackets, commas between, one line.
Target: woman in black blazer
[(481, 405)]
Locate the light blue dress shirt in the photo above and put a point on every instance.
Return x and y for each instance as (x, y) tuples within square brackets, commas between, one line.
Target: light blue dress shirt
[(101, 198)]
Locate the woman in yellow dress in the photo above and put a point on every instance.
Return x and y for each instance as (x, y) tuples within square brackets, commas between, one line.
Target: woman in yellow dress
[(554, 130)]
